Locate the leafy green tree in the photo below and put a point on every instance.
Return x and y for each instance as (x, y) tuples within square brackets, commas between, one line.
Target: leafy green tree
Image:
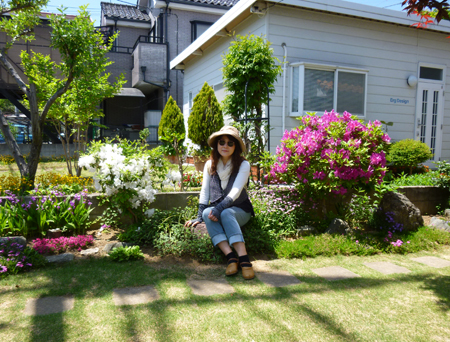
[(249, 63), (79, 47), (73, 112), (7, 107), (172, 131), (205, 119)]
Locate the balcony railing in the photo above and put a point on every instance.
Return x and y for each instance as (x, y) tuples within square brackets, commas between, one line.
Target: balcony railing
[(147, 39)]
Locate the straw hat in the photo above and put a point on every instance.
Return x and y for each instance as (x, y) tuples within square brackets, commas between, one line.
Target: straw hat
[(226, 130)]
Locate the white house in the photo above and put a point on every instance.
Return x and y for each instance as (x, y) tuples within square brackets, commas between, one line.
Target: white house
[(339, 55)]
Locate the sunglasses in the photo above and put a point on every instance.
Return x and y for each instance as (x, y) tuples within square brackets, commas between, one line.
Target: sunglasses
[(223, 142)]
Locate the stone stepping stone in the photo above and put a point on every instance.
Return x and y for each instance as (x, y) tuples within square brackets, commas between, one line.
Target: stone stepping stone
[(277, 278), (204, 287), (48, 305), (335, 273), (134, 295), (386, 267), (432, 261), (65, 257)]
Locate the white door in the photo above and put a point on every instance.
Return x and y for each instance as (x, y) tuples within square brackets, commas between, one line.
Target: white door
[(429, 113)]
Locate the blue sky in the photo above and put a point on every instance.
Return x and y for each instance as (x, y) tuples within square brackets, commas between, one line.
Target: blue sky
[(94, 5)]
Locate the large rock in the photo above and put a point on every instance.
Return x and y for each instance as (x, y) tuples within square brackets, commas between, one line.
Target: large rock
[(306, 230), (399, 209), (338, 226), (17, 239), (113, 245), (90, 251), (437, 223)]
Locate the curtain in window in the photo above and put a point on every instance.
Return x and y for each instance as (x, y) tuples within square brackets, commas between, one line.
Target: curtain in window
[(351, 92), (319, 90)]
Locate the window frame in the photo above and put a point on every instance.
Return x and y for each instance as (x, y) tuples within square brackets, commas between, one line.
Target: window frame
[(325, 67), (434, 66), (194, 24), (190, 100)]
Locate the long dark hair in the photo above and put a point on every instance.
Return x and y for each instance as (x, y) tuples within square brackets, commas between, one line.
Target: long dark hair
[(236, 158)]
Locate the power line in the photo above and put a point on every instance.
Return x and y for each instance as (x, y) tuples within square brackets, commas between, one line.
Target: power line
[(392, 5)]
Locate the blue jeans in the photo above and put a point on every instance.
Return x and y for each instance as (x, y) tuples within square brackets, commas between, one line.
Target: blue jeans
[(228, 227)]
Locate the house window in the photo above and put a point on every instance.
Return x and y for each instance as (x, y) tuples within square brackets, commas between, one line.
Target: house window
[(431, 73), (156, 34), (197, 28), (313, 89)]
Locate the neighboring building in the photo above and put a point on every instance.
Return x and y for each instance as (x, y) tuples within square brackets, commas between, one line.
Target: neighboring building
[(340, 55), (150, 35), (8, 87)]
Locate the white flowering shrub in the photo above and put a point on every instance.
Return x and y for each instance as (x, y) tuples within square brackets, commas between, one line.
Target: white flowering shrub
[(172, 178), (126, 173)]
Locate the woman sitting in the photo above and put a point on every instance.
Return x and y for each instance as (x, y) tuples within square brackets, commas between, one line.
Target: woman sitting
[(224, 203)]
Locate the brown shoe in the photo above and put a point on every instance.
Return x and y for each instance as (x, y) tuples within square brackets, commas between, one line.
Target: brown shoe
[(232, 268), (247, 271)]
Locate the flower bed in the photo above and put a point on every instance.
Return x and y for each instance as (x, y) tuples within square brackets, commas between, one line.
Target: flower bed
[(62, 244), (15, 258), (34, 215)]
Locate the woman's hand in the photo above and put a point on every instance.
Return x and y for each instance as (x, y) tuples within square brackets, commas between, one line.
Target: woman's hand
[(192, 223), (212, 217)]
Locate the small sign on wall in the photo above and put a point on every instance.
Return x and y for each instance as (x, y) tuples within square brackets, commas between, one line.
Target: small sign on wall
[(399, 101)]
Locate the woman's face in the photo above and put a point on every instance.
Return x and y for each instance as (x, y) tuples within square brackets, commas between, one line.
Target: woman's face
[(224, 148)]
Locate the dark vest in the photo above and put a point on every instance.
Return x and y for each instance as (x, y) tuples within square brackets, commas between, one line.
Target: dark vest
[(217, 194)]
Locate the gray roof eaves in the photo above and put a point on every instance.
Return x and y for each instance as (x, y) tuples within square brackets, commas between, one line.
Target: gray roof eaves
[(201, 4)]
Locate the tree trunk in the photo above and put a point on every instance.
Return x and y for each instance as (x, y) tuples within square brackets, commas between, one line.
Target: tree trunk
[(13, 146), (35, 153), (82, 141)]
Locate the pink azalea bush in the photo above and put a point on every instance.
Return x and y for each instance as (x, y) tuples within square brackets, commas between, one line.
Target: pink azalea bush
[(332, 154), (61, 244)]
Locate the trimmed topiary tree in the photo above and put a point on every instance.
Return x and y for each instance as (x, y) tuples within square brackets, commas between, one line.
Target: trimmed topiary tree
[(172, 132), (206, 118), (409, 153)]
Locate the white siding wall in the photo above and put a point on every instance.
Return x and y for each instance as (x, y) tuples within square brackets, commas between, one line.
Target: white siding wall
[(390, 52), (208, 67)]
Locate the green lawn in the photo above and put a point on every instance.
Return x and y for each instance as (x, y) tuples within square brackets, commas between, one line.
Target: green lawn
[(374, 307)]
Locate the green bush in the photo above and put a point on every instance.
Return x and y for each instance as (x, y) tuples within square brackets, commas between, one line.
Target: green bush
[(418, 179), (126, 253), (206, 118), (443, 174), (15, 258), (181, 241), (171, 127), (278, 214), (409, 153)]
